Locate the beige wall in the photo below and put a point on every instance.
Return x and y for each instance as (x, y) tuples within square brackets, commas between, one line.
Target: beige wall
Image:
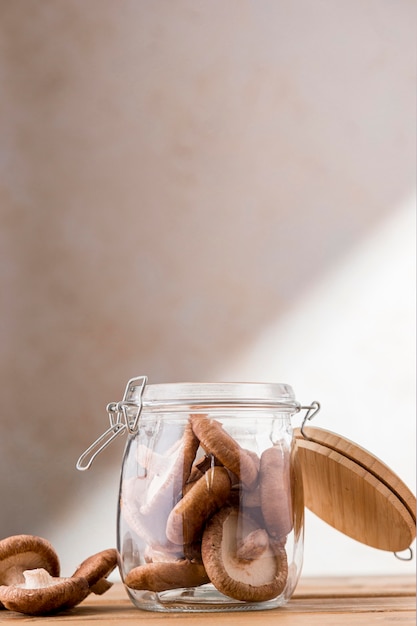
[(173, 177)]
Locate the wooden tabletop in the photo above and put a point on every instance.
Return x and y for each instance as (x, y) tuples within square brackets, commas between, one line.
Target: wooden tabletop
[(317, 601)]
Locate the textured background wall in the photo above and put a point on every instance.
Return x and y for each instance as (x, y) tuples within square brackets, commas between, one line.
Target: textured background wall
[(178, 181)]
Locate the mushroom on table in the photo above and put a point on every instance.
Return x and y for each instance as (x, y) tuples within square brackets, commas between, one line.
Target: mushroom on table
[(23, 552), (30, 582), (41, 593), (96, 568)]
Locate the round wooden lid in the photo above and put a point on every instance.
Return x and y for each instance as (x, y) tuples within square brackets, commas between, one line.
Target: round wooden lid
[(355, 492)]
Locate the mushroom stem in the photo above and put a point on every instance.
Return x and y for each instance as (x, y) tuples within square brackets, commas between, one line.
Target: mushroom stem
[(37, 579), (101, 586), (189, 515), (253, 546), (96, 568)]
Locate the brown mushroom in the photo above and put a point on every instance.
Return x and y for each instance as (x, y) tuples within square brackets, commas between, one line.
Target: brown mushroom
[(275, 491), (149, 528), (41, 593), (163, 576), (147, 500), (154, 462), (215, 440), (187, 518), (164, 486), (168, 473), (22, 552), (249, 498), (240, 559), (96, 568), (198, 470)]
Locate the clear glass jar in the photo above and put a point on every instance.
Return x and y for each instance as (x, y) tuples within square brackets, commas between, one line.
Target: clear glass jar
[(211, 501), (211, 505)]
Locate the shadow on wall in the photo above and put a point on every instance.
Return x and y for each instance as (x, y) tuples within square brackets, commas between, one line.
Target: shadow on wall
[(341, 343), (173, 176)]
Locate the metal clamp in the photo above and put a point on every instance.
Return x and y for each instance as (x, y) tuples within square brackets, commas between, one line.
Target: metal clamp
[(408, 557), (312, 410), (120, 420)]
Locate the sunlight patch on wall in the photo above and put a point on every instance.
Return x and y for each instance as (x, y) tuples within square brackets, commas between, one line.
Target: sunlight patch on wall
[(349, 342)]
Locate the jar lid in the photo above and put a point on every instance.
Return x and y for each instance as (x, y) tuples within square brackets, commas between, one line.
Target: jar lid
[(158, 396), (355, 492)]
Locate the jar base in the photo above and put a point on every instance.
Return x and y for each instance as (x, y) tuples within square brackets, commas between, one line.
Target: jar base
[(197, 600)]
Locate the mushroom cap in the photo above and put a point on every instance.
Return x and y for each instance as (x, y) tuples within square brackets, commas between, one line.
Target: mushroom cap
[(275, 491), (168, 473), (96, 568), (59, 594), (187, 518), (184, 449), (23, 552), (239, 558), (215, 440), (163, 576)]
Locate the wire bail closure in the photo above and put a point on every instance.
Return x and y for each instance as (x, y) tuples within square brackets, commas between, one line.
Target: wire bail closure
[(408, 557), (312, 410), (124, 416), (120, 420)]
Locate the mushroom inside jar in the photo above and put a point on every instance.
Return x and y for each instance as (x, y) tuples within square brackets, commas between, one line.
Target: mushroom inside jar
[(228, 521), (240, 558)]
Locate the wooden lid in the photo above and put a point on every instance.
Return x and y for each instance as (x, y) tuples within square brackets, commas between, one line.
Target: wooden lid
[(355, 492)]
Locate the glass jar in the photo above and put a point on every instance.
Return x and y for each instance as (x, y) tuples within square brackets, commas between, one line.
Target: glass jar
[(213, 486), (211, 509)]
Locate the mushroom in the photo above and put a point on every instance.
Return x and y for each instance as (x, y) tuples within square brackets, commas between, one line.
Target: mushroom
[(154, 462), (30, 582), (149, 528), (187, 518), (251, 499), (147, 500), (156, 554), (22, 552), (96, 568), (169, 575), (215, 440), (165, 485), (201, 466), (275, 491), (168, 473), (41, 593), (240, 559)]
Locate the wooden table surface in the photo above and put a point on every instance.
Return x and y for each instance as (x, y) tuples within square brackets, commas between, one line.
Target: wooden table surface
[(317, 601)]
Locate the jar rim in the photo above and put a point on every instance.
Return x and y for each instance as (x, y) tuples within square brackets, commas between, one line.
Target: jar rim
[(278, 395)]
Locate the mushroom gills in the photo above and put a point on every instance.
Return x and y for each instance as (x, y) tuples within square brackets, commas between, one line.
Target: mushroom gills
[(24, 552), (246, 553), (241, 559)]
